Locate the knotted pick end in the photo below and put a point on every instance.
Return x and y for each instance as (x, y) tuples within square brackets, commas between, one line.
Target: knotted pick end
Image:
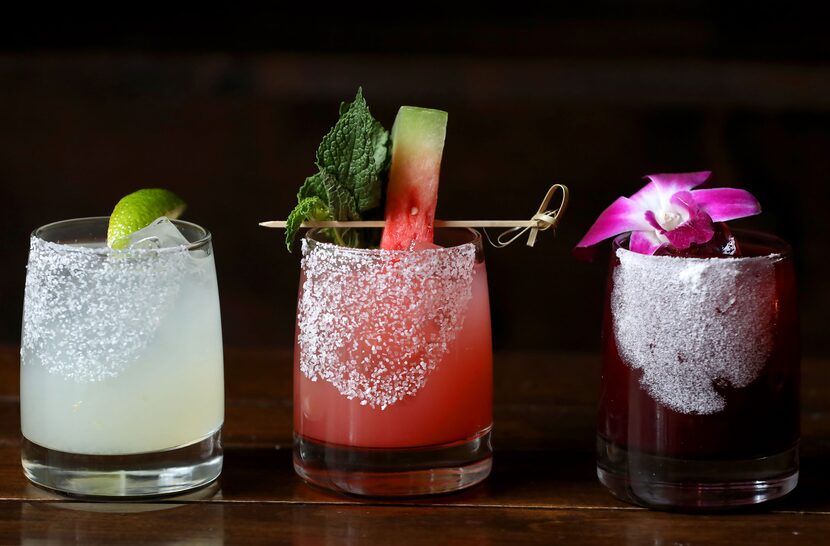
[(543, 220)]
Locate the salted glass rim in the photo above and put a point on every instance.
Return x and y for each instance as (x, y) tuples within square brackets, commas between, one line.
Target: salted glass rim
[(780, 248), (205, 238), (475, 240)]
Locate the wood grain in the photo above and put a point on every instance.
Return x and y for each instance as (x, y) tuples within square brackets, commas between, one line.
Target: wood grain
[(543, 488), (262, 523)]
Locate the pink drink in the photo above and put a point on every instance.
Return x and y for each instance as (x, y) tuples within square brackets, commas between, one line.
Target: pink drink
[(454, 404), (393, 368)]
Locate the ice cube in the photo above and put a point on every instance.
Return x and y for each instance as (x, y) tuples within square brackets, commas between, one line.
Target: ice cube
[(161, 233)]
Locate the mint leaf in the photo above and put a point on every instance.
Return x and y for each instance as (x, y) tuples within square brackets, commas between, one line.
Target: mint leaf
[(352, 159), (310, 208), (312, 187), (354, 153), (341, 204), (336, 197), (382, 148)]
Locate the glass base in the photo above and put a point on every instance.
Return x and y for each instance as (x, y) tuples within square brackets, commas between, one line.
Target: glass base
[(694, 485), (394, 472), (142, 475)]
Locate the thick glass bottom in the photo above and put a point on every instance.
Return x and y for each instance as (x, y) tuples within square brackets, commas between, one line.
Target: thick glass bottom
[(394, 472), (694, 485), (141, 475)]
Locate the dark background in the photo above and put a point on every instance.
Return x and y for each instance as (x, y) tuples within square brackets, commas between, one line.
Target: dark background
[(227, 109)]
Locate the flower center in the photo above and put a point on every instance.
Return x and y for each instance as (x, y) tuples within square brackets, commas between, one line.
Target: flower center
[(668, 219)]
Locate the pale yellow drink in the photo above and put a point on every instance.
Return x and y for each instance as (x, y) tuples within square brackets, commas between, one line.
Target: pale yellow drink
[(121, 352)]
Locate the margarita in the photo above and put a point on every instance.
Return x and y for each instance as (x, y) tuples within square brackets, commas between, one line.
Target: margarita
[(121, 385)]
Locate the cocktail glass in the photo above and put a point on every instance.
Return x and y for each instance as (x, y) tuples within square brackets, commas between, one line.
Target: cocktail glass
[(121, 376), (699, 406), (393, 367)]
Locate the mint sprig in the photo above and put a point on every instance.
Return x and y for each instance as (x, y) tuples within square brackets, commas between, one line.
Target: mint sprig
[(352, 159), (311, 208)]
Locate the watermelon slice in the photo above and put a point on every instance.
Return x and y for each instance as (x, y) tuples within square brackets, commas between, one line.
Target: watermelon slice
[(412, 193)]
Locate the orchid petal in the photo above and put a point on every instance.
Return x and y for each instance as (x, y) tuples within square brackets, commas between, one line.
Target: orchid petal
[(623, 215), (686, 200), (667, 212), (669, 183), (724, 204), (697, 229), (644, 242)]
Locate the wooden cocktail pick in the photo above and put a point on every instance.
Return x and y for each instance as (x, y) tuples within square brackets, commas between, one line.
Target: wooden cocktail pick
[(544, 219)]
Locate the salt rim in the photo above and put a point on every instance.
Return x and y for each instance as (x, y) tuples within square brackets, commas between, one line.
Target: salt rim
[(203, 241), (89, 312), (376, 323), (691, 324)]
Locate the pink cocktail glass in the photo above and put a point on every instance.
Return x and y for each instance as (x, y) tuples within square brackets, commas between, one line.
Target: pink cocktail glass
[(393, 367)]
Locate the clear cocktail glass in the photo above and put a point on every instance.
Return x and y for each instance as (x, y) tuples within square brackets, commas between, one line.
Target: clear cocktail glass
[(121, 377), (699, 407), (393, 367)]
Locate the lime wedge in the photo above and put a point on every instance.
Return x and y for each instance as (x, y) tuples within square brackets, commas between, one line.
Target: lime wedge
[(138, 210)]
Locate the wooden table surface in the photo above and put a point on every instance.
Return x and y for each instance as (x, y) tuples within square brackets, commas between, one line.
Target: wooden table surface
[(543, 489)]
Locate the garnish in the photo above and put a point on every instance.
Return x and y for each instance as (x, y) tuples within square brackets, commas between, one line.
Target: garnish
[(668, 214), (418, 136), (355, 160), (138, 210), (352, 159)]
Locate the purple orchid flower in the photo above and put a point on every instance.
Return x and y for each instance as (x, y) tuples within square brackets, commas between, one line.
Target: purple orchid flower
[(667, 211)]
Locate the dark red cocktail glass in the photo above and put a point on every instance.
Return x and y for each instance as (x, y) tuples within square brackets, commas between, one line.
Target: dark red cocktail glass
[(699, 406)]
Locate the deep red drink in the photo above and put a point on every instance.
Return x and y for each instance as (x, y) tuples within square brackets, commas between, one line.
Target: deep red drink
[(699, 405)]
